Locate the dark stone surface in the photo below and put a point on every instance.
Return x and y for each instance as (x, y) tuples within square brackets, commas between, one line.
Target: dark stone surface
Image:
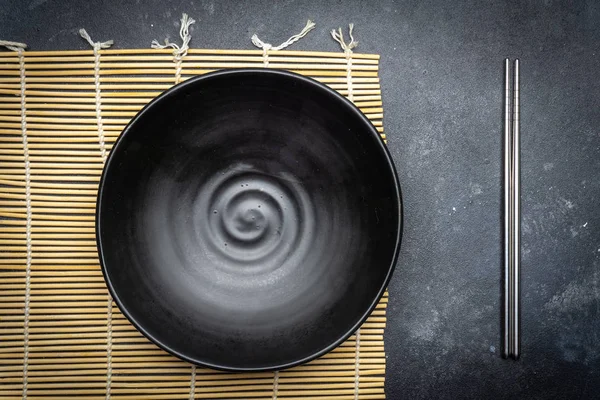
[(441, 72)]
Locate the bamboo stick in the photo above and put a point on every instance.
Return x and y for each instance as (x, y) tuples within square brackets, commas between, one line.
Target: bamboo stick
[(67, 137), (43, 198), (70, 120), (56, 96), (154, 79), (65, 171), (44, 299), (279, 63), (40, 177), (42, 266), (315, 70), (48, 331), (87, 372), (58, 274), (39, 242), (76, 319), (136, 83), (15, 154), (62, 285), (36, 230), (8, 56), (58, 214), (191, 57), (74, 113), (41, 186), (57, 251), (57, 105), (74, 100), (36, 189)]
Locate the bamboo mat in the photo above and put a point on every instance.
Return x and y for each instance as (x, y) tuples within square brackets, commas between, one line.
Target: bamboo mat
[(61, 336)]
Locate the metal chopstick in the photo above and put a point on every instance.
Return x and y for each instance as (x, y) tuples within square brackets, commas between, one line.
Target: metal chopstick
[(516, 346), (508, 237)]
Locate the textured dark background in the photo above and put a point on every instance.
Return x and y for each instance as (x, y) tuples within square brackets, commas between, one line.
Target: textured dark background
[(441, 74)]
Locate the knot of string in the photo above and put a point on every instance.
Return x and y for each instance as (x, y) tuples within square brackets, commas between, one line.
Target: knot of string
[(184, 32), (266, 47), (14, 46), (95, 45), (338, 36), (178, 51)]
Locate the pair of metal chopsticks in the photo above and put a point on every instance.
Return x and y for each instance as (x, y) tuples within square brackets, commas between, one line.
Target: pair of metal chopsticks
[(512, 211)]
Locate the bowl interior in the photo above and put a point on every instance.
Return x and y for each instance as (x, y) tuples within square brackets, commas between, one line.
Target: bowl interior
[(248, 220)]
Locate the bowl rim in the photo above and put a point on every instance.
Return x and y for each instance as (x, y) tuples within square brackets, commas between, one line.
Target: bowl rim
[(240, 72)]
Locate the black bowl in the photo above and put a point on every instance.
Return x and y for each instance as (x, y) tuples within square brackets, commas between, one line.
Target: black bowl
[(248, 220)]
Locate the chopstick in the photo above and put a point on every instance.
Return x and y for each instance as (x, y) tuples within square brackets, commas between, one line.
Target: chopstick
[(508, 236), (516, 212), (512, 212)]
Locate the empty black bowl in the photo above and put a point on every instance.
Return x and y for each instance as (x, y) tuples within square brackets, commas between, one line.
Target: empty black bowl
[(248, 220)]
